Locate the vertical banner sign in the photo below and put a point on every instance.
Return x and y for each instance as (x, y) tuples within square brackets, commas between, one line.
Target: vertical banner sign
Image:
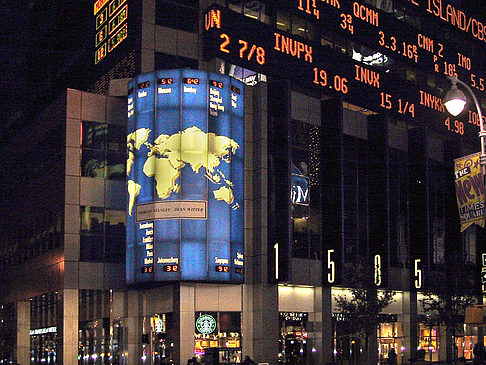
[(185, 177), (470, 191)]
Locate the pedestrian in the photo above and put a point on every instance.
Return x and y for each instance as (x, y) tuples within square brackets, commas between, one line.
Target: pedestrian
[(392, 357), (479, 353), (248, 361), (461, 361)]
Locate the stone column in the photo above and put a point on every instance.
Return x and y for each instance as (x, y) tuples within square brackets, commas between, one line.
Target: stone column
[(409, 320), (22, 348), (134, 327), (67, 329), (265, 323), (327, 339), (186, 321)]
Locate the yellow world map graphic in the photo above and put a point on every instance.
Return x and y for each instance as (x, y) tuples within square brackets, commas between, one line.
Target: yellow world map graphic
[(171, 153)]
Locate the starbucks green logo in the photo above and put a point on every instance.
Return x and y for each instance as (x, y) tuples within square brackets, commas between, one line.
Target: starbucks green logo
[(206, 324)]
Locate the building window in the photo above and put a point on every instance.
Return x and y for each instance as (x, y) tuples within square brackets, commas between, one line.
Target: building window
[(305, 191), (102, 234), (165, 61), (182, 15), (103, 151), (96, 334), (251, 8)]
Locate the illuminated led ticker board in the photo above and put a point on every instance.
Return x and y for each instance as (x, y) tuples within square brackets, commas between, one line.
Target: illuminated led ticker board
[(111, 26), (383, 32), (185, 177), (256, 46)]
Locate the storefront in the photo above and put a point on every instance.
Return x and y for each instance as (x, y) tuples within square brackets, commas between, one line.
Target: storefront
[(157, 342), (429, 340), (293, 342), (465, 341), (390, 336), (349, 347), (43, 345), (94, 342), (218, 334), (43, 330)]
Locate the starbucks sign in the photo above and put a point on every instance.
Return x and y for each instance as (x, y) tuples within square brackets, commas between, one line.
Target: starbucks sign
[(206, 324)]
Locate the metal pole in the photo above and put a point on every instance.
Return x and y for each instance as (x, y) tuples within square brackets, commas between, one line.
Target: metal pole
[(482, 131)]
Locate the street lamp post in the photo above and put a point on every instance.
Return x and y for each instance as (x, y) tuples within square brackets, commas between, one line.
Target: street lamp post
[(455, 101)]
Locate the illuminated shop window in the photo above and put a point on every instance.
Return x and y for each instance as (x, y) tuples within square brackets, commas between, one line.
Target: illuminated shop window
[(429, 341), (390, 336), (98, 334), (43, 328), (218, 334), (102, 234), (159, 329), (103, 151), (294, 342)]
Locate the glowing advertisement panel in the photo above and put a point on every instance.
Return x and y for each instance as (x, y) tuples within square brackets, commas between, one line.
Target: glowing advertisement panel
[(470, 190), (185, 180)]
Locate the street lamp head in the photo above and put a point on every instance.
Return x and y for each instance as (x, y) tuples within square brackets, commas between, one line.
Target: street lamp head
[(455, 100)]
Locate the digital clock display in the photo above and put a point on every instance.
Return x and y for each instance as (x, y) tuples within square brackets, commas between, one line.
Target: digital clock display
[(239, 270), (171, 268), (166, 81), (190, 81), (259, 47), (143, 85), (217, 84), (147, 269), (221, 268)]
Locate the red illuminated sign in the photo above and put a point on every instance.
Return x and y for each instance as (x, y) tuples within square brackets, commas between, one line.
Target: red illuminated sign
[(190, 81), (147, 269), (222, 268), (98, 5), (171, 268), (168, 81)]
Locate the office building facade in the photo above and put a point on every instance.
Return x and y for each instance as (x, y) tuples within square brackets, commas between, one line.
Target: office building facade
[(128, 244)]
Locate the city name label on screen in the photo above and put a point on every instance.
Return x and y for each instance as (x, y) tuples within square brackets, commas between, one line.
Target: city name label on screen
[(264, 49), (382, 31)]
